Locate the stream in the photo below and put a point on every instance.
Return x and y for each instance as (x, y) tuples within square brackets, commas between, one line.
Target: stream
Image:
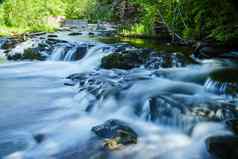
[(173, 105)]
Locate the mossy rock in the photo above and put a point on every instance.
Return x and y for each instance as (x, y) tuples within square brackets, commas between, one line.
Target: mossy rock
[(116, 134), (126, 59), (32, 54)]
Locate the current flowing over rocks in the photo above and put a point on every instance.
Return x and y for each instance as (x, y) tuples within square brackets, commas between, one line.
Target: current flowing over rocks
[(68, 95)]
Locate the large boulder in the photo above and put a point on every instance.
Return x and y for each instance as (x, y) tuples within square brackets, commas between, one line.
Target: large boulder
[(232, 125), (223, 147), (126, 60), (116, 134)]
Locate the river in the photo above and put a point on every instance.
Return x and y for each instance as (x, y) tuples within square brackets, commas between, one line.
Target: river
[(35, 99)]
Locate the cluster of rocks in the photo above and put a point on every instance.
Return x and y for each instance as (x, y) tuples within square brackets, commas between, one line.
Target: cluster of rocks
[(133, 58), (40, 48), (185, 112), (182, 110), (26, 46)]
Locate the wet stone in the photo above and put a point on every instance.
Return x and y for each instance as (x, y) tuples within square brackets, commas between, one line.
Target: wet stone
[(39, 138), (168, 110), (232, 125), (132, 58), (52, 36), (75, 33), (223, 147), (116, 134)]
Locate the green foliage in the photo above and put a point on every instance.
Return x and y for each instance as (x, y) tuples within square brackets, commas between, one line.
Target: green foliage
[(30, 15), (196, 19), (189, 18)]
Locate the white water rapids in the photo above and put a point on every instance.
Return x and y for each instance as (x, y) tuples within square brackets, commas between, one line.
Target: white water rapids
[(34, 99)]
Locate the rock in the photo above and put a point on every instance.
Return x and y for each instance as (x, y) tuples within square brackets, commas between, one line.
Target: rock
[(52, 41), (166, 109), (232, 125), (223, 147), (116, 134), (122, 47), (14, 57), (36, 34), (75, 33), (81, 52), (126, 60), (91, 34), (166, 60), (28, 54), (206, 50), (8, 44), (52, 36), (39, 138), (32, 54)]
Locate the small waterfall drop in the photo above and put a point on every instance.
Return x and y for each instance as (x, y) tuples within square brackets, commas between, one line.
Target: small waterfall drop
[(220, 87), (58, 53), (70, 54)]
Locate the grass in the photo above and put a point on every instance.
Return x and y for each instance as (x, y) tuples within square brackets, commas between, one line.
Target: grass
[(11, 31)]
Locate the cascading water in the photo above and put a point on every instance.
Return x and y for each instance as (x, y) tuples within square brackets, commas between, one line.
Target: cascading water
[(58, 53), (169, 108)]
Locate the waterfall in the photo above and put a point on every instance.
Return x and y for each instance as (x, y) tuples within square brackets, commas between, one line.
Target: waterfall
[(220, 87), (58, 53), (75, 52), (70, 54)]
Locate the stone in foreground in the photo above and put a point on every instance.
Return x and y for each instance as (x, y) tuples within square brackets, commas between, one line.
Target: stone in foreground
[(223, 147), (115, 134)]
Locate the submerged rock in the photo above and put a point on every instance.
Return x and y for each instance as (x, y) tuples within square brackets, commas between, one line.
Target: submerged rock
[(52, 36), (223, 147), (91, 34), (39, 138), (75, 33), (116, 134)]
